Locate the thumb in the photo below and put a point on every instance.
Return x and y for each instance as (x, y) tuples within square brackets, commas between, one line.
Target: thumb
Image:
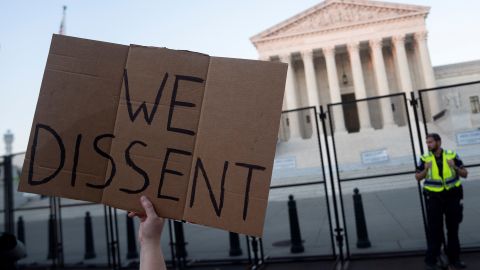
[(148, 207)]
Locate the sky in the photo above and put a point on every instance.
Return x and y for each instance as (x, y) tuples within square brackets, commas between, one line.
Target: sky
[(215, 27)]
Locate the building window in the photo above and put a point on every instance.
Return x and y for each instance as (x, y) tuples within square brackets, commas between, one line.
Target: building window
[(475, 104)]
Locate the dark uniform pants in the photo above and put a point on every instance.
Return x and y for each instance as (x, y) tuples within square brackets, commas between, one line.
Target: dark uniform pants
[(448, 203)]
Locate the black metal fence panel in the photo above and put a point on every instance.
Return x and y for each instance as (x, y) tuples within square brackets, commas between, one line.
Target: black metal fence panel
[(375, 165), (455, 117), (382, 145), (300, 179), (343, 184)]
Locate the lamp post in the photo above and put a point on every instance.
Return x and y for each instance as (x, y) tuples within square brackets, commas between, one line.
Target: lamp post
[(8, 139)]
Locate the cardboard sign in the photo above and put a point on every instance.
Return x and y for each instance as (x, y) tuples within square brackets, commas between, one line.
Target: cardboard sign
[(195, 134)]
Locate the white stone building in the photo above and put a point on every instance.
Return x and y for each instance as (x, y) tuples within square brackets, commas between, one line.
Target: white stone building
[(344, 50), (341, 50)]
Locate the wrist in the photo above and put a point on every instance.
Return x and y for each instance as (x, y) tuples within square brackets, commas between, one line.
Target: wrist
[(150, 244)]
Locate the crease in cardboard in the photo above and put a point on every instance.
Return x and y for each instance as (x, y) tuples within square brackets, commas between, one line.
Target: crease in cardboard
[(115, 123), (160, 105), (192, 166), (67, 171), (74, 73)]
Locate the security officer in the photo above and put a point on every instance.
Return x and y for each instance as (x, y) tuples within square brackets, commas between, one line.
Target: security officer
[(443, 191)]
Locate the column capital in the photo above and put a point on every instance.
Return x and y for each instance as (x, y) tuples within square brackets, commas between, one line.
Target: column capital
[(307, 54), (376, 43), (285, 58), (353, 47), (421, 36), (398, 39), (329, 50)]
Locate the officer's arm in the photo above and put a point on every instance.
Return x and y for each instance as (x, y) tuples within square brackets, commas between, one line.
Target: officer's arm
[(459, 168), (422, 171), (420, 175), (462, 172)]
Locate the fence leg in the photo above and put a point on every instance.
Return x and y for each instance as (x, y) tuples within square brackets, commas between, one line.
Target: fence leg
[(131, 242), (51, 238), (362, 233), (255, 250), (295, 235), (180, 250), (89, 244)]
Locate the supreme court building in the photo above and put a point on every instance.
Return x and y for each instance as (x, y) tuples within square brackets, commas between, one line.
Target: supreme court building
[(342, 50)]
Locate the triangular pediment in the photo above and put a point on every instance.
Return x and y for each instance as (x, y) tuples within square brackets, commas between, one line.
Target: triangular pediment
[(335, 14)]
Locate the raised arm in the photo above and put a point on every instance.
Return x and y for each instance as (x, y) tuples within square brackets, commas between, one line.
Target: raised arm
[(149, 234)]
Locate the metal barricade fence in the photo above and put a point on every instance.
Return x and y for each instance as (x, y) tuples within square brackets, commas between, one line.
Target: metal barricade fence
[(375, 164), (343, 187)]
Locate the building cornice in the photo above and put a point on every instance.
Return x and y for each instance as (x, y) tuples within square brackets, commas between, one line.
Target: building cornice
[(274, 33)]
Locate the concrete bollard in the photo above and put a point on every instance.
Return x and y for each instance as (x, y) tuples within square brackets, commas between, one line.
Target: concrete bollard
[(131, 241), (361, 224), (295, 235), (235, 249), (89, 242), (52, 254), (21, 230)]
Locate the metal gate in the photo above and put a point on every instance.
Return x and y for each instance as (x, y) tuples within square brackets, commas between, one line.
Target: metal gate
[(380, 199)]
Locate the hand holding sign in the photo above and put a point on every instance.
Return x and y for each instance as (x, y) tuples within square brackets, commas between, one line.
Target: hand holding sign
[(149, 233), (151, 225)]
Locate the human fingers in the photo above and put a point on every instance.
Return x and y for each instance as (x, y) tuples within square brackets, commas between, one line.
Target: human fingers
[(142, 217), (148, 206)]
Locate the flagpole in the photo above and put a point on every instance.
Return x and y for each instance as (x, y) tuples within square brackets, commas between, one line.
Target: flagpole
[(61, 31)]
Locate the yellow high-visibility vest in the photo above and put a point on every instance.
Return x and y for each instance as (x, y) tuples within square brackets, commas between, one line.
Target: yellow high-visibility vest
[(433, 181)]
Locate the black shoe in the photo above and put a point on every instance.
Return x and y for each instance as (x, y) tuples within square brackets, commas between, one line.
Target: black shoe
[(431, 266), (459, 264)]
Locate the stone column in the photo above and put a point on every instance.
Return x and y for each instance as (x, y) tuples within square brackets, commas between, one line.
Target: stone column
[(284, 130), (403, 71), (359, 84), (429, 76), (382, 81), (335, 96), (402, 64), (310, 78), (290, 93), (290, 98), (427, 70)]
